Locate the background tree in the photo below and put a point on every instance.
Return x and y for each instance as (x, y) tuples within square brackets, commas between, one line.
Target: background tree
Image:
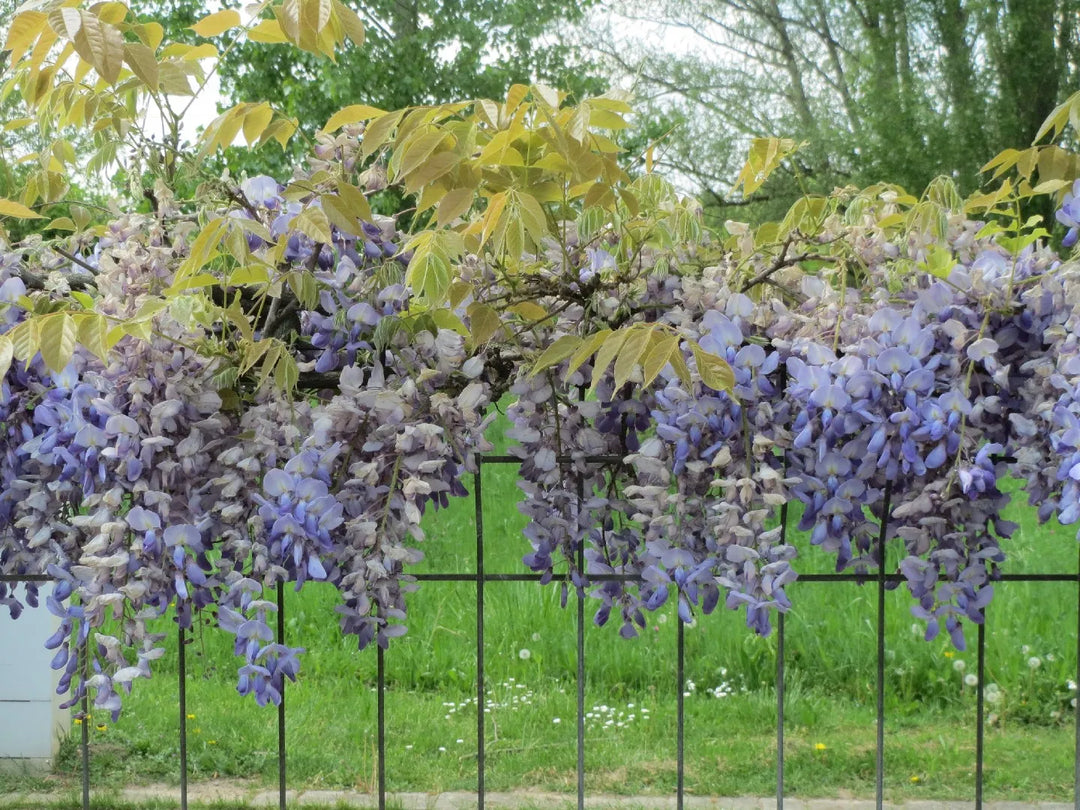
[(904, 89)]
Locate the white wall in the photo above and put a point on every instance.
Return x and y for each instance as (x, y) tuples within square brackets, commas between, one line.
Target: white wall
[(31, 722)]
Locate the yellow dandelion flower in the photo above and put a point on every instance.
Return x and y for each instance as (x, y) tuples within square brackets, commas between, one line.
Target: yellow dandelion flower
[(915, 779), (78, 721), (101, 726), (820, 746), (211, 742), (949, 653), (191, 717)]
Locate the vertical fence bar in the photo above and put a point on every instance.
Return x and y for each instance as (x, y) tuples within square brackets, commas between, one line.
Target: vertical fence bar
[(979, 712), (780, 657), (480, 755), (780, 711), (580, 675), (281, 705), (680, 720), (182, 687), (380, 699), (879, 765), (85, 742)]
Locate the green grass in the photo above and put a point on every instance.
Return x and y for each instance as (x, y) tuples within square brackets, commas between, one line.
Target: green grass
[(730, 741)]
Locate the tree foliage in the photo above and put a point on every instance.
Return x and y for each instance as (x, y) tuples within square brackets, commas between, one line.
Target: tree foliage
[(904, 89)]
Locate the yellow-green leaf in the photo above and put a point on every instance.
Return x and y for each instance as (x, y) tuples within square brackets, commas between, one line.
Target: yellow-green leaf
[(143, 63), (256, 122), (24, 339), (713, 370), (337, 211), (7, 353), (58, 336), (93, 332), (98, 43), (286, 372), (484, 322), (304, 287), (529, 311), (356, 203), (249, 274), (431, 169), (10, 208), (556, 352), (24, 31), (217, 23), (657, 357), (532, 216), (85, 301), (350, 22), (313, 222), (253, 352), (377, 132), (429, 276), (608, 349), (765, 156), (352, 114), (631, 354), (588, 348), (268, 31), (455, 203)]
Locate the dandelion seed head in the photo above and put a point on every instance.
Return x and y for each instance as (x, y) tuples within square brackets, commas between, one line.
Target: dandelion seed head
[(971, 679)]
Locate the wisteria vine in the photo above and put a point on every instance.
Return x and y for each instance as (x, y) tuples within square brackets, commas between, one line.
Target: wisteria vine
[(869, 386)]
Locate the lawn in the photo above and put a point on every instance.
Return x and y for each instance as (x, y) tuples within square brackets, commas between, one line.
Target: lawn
[(630, 690)]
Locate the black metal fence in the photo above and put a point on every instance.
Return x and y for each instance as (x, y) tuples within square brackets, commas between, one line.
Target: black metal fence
[(481, 577)]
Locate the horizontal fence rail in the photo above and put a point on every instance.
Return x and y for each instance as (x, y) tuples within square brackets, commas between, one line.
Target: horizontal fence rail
[(481, 577)]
